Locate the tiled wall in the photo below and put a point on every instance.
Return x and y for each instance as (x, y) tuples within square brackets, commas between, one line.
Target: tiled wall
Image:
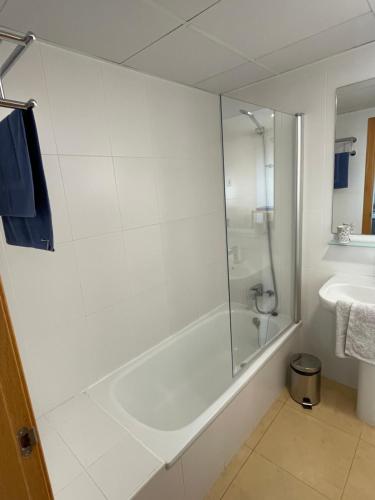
[(133, 166), (312, 90)]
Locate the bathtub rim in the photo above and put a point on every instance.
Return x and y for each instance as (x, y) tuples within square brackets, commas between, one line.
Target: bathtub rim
[(205, 419)]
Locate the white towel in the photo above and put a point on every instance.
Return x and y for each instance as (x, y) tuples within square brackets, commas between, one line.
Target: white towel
[(360, 337), (355, 331), (342, 321)]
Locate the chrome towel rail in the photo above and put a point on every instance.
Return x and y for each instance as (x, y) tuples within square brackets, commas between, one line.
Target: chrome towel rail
[(22, 43)]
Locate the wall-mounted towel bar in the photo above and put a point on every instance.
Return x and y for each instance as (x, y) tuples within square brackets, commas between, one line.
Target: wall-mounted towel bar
[(22, 43), (348, 140)]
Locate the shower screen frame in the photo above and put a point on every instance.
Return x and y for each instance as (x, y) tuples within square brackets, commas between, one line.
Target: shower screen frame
[(296, 244)]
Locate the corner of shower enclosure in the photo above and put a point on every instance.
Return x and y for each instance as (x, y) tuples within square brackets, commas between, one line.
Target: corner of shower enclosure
[(262, 171)]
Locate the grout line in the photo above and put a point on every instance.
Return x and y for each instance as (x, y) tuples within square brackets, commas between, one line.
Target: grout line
[(320, 421), (291, 475), (49, 104), (252, 449), (204, 10), (180, 26), (256, 60), (238, 470), (350, 468), (288, 45), (270, 424), (299, 68)]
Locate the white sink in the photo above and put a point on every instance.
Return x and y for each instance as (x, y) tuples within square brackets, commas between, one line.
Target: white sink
[(355, 289), (347, 287), (240, 271)]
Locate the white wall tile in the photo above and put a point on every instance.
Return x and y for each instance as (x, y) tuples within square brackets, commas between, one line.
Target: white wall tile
[(75, 85), (82, 300), (86, 429), (45, 284), (62, 465), (30, 64), (181, 256), (121, 471), (81, 488), (185, 123), (60, 219), (144, 256), (195, 266), (137, 192), (91, 194), (59, 361), (119, 344), (188, 187), (129, 124), (102, 270), (149, 316)]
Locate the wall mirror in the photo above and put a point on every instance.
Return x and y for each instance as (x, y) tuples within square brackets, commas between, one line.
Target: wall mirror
[(354, 158)]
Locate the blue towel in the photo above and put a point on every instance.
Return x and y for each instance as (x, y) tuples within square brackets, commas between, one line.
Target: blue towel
[(16, 181), (341, 170), (25, 211)]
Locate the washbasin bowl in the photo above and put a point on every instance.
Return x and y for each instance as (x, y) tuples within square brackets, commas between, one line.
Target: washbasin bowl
[(240, 271), (347, 287), (355, 289)]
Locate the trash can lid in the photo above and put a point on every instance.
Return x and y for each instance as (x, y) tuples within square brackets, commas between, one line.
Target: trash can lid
[(305, 363)]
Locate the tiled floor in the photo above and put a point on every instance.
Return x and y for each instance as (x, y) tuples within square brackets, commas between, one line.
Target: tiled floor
[(295, 454)]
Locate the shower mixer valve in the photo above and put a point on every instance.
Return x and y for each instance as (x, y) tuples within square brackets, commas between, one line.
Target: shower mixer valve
[(258, 291)]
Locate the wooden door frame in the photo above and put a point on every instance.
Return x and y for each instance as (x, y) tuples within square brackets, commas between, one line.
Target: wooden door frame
[(21, 477), (368, 192)]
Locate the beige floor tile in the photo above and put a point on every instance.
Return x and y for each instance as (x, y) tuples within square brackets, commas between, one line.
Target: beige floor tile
[(284, 394), (229, 473), (317, 453), (261, 480), (361, 481), (337, 407), (264, 423), (368, 434)]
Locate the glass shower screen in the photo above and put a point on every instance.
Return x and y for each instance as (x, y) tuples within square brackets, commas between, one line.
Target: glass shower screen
[(258, 146)]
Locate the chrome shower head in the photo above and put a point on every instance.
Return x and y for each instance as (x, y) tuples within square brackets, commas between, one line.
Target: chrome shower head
[(258, 127)]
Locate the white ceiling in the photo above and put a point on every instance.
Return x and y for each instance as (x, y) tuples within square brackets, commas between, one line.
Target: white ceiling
[(217, 45)]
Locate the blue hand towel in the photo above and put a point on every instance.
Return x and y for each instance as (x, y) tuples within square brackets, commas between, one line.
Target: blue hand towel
[(16, 181), (341, 170), (25, 223)]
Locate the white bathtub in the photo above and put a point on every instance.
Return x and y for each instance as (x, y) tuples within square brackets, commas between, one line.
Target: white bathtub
[(169, 395)]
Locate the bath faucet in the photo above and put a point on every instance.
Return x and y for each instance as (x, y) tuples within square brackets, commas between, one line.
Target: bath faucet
[(256, 291)]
